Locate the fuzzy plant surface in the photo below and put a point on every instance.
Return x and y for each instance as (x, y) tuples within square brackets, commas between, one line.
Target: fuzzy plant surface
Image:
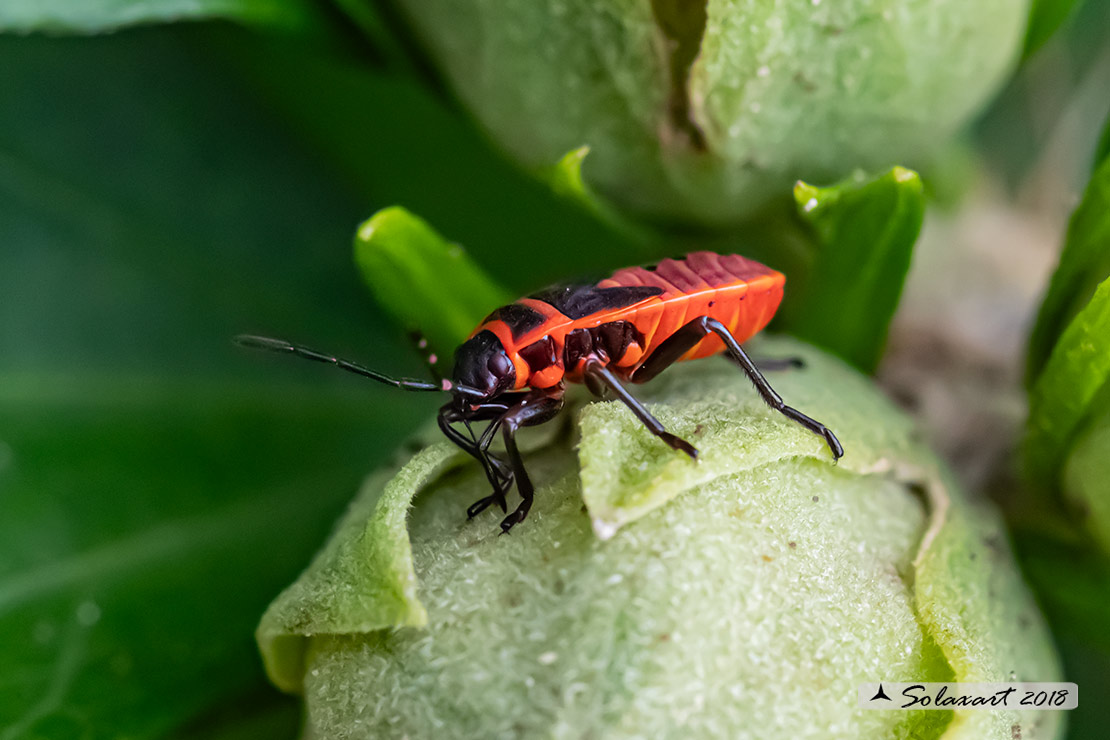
[(697, 111), (744, 595)]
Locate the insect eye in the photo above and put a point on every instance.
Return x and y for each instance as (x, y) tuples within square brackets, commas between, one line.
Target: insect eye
[(499, 365)]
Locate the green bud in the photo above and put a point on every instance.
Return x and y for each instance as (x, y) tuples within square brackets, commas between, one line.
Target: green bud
[(698, 111), (745, 594)]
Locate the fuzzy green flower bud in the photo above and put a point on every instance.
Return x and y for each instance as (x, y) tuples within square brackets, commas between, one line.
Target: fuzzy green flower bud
[(744, 595), (698, 111)]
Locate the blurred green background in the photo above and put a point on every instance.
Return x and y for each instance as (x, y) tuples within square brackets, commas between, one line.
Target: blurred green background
[(164, 188)]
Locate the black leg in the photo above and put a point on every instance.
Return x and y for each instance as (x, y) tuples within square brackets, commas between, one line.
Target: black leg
[(683, 340), (499, 476), (528, 413), (504, 471), (500, 489), (497, 497), (595, 386), (775, 364), (774, 400), (669, 352), (604, 375), (689, 335)]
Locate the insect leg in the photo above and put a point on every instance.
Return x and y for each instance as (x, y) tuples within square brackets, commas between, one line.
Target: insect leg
[(775, 364), (494, 474), (604, 375), (773, 399), (685, 338), (500, 478), (504, 482), (669, 352), (503, 469), (505, 474), (528, 413)]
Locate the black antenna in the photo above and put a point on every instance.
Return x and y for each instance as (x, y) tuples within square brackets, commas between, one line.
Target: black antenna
[(280, 345)]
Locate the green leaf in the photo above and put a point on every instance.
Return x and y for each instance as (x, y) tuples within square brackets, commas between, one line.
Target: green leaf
[(363, 580), (1045, 17), (157, 485), (262, 714), (1063, 395), (425, 283), (145, 525), (98, 16), (1087, 476), (1102, 152), (567, 182), (1072, 582), (865, 232), (831, 570), (566, 179), (1084, 263)]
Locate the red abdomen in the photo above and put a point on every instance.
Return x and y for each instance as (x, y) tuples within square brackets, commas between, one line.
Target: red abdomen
[(740, 293), (656, 301)]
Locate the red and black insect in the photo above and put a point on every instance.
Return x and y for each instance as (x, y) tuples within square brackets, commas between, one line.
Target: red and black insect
[(513, 369)]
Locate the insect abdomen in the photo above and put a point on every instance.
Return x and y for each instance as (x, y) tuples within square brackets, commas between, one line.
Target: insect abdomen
[(740, 293)]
